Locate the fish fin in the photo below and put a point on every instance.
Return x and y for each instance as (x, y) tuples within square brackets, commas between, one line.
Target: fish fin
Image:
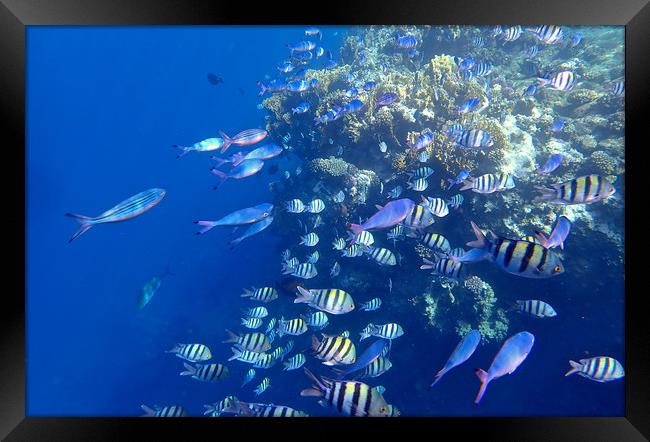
[(303, 296), (575, 368), (148, 410), (189, 370), (514, 306), (426, 264), (482, 375), (543, 240), (227, 141), (247, 293), (207, 225), (480, 241), (315, 343), (437, 377), (220, 161), (222, 177), (311, 392), (320, 387), (231, 337), (85, 221), (184, 150), (379, 207), (467, 184), (235, 353), (547, 194)]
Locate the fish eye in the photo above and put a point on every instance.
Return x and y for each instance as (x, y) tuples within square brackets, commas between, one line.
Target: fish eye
[(557, 268)]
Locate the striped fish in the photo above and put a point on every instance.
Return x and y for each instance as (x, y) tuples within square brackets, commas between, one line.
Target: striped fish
[(291, 264), (191, 352), (318, 320), (310, 240), (381, 255), (336, 269), (334, 350), (206, 372), (166, 411), (271, 333), (264, 410), (338, 244), (286, 349), (454, 129), (421, 172), (243, 138), (599, 369), (294, 327), (250, 374), (277, 352), (305, 270), (489, 183), (241, 354), (512, 33), (377, 367), (263, 386), (334, 301), (256, 341), (265, 361), (251, 323), (256, 312), (561, 81), (295, 362), (216, 409), (352, 251), (534, 307), (447, 267), (315, 206), (271, 325), (345, 334), (582, 190), (364, 238), (349, 398), (456, 201), (313, 258), (435, 241), (437, 206), (127, 209), (338, 197), (393, 411), (473, 138), (521, 258), (478, 41), (294, 206), (618, 88), (482, 69), (385, 331), (419, 185), (395, 232), (530, 238), (419, 218), (549, 34), (456, 252), (264, 294), (532, 51), (371, 305)]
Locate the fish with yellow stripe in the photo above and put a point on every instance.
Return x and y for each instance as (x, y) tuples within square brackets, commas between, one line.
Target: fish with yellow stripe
[(334, 301), (334, 350), (348, 397), (191, 352), (599, 369), (515, 256), (241, 408), (264, 294), (377, 367), (419, 218), (206, 372), (294, 327), (582, 190), (257, 342)]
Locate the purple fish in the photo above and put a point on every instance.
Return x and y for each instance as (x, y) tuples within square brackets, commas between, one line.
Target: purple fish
[(245, 169), (512, 353), (462, 176), (239, 217), (386, 99), (553, 163), (461, 353), (558, 234), (252, 230), (388, 216), (370, 354), (422, 141)]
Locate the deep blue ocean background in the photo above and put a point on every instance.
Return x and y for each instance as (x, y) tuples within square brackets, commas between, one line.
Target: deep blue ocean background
[(105, 105)]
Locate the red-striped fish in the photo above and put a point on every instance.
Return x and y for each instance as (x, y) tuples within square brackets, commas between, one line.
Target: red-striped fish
[(243, 138), (127, 209)]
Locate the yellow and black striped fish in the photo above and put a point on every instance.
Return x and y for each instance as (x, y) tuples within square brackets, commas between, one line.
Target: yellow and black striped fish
[(207, 372), (263, 386), (419, 218), (334, 301), (264, 294), (334, 350), (263, 410), (257, 342), (265, 361), (436, 241), (241, 354), (582, 190), (377, 367), (599, 369), (191, 352), (251, 322), (515, 256), (381, 255), (167, 411), (391, 330), (348, 397), (534, 307), (294, 327)]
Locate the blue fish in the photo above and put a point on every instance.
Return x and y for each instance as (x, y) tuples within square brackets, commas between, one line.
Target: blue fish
[(253, 229), (407, 41), (352, 92), (575, 40), (301, 108), (558, 125), (468, 75), (353, 106), (461, 353), (551, 164), (558, 234), (464, 63), (298, 86), (369, 85), (370, 354), (462, 176), (275, 85), (468, 106), (531, 90)]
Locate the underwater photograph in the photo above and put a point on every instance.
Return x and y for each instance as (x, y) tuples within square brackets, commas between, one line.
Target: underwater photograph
[(294, 221)]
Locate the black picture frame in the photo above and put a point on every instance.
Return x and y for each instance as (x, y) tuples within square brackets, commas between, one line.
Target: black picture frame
[(15, 15)]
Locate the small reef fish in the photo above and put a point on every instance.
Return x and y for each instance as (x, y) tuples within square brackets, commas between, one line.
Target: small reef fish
[(244, 138), (421, 172), (463, 351), (364, 238), (301, 46), (264, 294), (456, 252), (253, 229), (305, 271), (386, 99), (462, 176), (436, 206), (207, 372), (274, 86), (530, 90), (216, 409), (424, 156), (447, 267), (301, 108), (558, 234), (561, 81), (419, 185), (315, 206), (263, 410), (338, 197), (618, 88), (551, 164), (243, 170), (151, 288), (582, 190), (468, 106), (474, 138), (191, 352), (381, 255), (265, 152), (353, 106), (352, 251), (386, 331), (377, 367), (334, 350), (295, 362), (251, 323), (314, 31), (396, 232), (349, 397), (456, 201), (512, 353), (549, 34), (395, 192), (393, 213), (309, 240), (423, 141), (313, 258), (271, 326), (298, 85), (255, 341), (241, 354), (166, 411), (512, 33), (369, 85), (599, 369), (405, 41), (293, 327), (286, 67), (576, 39), (338, 244), (370, 354), (489, 183), (256, 312), (125, 210), (558, 125), (261, 388), (534, 307), (515, 256), (294, 206), (318, 320), (334, 301), (371, 305), (336, 269), (419, 218), (202, 146)]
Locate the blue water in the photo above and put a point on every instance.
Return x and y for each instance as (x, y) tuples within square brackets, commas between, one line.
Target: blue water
[(105, 105)]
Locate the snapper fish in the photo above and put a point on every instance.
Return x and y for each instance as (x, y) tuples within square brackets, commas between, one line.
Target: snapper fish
[(207, 145), (249, 215), (265, 152), (243, 170), (243, 138)]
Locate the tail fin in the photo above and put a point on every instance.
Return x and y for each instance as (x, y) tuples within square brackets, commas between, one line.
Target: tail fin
[(207, 225), (303, 296), (575, 368), (480, 241), (175, 349), (426, 264), (209, 409), (467, 184), (317, 390), (227, 141), (315, 343), (513, 307), (184, 150), (222, 177), (547, 194), (236, 352), (237, 159), (543, 240), (437, 377), (148, 411), (231, 337), (248, 293), (482, 375), (85, 221), (220, 161), (189, 370), (262, 87)]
